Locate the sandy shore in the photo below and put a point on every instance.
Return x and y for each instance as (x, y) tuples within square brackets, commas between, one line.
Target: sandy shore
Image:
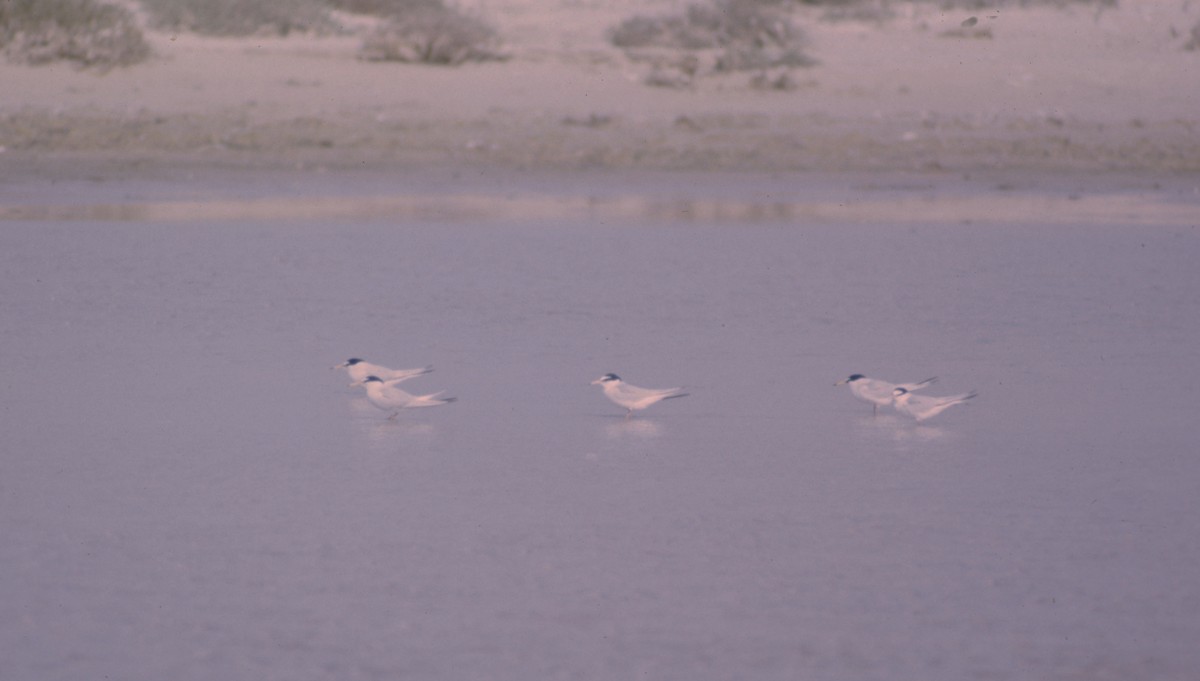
[(1053, 90)]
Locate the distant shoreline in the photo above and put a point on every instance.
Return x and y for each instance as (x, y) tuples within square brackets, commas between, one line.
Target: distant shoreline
[(166, 189), (1048, 91), (684, 143)]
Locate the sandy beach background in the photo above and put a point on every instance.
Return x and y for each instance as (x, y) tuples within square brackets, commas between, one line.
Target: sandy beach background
[(1073, 89)]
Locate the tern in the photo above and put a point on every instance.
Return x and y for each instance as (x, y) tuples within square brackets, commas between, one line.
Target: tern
[(876, 392), (921, 407), (386, 396), (632, 397), (360, 369)]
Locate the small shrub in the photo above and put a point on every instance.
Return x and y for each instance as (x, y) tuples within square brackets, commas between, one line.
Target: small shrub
[(86, 32), (881, 11), (851, 5), (383, 8), (863, 11), (438, 36), (750, 34), (639, 31), (1193, 42), (239, 17), (1005, 4)]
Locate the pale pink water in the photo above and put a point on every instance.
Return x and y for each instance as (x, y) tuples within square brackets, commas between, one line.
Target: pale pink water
[(188, 491)]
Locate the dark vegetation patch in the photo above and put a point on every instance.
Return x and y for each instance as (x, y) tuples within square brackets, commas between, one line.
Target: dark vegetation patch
[(84, 32)]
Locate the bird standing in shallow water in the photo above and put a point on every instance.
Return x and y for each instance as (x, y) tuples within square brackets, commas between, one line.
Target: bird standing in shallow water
[(876, 392), (921, 407), (386, 396), (359, 369), (632, 397)]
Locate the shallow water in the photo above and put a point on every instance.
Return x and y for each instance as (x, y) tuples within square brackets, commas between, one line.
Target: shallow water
[(190, 493)]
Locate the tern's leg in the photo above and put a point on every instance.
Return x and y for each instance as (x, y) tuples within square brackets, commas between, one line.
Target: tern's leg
[(874, 409), (628, 413), (393, 416)]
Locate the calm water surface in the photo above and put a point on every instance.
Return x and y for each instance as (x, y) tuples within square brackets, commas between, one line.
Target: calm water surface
[(189, 492)]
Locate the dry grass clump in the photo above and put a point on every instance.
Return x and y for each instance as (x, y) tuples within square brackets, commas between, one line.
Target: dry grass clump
[(743, 34), (880, 11), (85, 32), (385, 7), (432, 35), (239, 17), (1004, 4), (716, 24), (850, 5), (1193, 42), (864, 11)]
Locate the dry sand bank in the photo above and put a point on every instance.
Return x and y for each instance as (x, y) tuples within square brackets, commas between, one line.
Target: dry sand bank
[(1050, 90)]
